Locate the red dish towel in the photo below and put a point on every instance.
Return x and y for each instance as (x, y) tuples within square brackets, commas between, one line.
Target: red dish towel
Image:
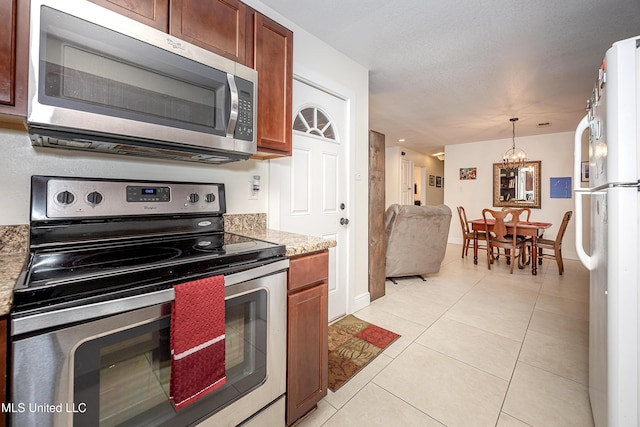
[(197, 340)]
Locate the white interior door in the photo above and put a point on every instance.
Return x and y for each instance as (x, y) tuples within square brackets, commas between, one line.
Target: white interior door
[(406, 182), (314, 197)]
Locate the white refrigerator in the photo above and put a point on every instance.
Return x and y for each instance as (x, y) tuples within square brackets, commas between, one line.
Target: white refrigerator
[(614, 255)]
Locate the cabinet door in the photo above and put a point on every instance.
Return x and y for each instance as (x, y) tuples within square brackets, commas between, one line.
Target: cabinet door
[(307, 350), (219, 26), (273, 53), (154, 13), (14, 48)]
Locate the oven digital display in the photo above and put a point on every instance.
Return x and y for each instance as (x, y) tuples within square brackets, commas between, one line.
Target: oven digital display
[(148, 194)]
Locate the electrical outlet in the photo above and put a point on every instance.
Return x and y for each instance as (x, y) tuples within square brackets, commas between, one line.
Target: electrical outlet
[(253, 195)]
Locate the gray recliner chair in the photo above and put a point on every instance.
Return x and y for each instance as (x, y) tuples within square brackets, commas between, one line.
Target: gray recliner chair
[(416, 239)]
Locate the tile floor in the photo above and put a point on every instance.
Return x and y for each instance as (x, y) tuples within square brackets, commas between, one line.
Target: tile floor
[(478, 348)]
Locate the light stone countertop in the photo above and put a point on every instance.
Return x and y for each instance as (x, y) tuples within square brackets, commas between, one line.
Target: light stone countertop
[(296, 244), (14, 255), (14, 240)]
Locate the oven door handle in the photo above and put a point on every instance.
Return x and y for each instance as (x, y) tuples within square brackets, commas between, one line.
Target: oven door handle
[(21, 325)]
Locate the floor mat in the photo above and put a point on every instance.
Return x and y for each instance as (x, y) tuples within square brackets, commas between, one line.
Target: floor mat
[(353, 343)]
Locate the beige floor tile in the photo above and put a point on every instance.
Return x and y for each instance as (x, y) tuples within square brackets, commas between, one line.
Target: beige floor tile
[(355, 384), (448, 366), (407, 329), (491, 353), (540, 398), (560, 326), (318, 417), (436, 291), (417, 309), (449, 391), (568, 286), (558, 356), (483, 312), (373, 406), (565, 306), (507, 420), (495, 292)]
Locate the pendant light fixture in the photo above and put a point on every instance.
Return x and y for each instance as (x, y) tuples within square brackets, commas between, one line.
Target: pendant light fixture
[(514, 157)]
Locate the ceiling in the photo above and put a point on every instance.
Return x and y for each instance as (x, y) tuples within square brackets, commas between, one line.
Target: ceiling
[(455, 71)]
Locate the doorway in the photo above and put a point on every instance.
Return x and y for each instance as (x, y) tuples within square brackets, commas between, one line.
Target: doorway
[(313, 183)]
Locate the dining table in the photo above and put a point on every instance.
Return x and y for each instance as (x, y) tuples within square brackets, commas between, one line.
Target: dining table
[(525, 228)]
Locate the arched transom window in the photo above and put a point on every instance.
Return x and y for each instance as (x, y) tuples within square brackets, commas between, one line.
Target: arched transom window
[(312, 121)]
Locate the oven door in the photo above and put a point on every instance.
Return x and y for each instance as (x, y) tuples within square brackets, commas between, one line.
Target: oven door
[(115, 370)]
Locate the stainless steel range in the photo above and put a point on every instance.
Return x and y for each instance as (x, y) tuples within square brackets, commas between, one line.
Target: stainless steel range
[(91, 316)]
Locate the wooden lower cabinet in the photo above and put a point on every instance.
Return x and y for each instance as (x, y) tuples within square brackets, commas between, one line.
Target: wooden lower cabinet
[(307, 353)]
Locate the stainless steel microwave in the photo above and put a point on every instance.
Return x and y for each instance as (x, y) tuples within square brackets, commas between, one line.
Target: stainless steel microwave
[(99, 81)]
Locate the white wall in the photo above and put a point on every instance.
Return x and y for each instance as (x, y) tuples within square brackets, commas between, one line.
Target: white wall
[(20, 160), (554, 150), (392, 162)]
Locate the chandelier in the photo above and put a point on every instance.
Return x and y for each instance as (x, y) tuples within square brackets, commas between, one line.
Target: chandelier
[(514, 157)]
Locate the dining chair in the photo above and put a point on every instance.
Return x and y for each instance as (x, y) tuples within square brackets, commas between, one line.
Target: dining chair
[(503, 237), (554, 245), (520, 211), (527, 212), (467, 233)]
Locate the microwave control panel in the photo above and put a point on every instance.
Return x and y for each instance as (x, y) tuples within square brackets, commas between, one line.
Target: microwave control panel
[(246, 110)]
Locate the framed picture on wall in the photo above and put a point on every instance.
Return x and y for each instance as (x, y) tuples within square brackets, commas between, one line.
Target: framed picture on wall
[(438, 181), (432, 180), (584, 177), (467, 173)]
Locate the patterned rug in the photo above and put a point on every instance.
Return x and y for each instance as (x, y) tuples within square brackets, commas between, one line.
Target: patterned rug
[(353, 343)]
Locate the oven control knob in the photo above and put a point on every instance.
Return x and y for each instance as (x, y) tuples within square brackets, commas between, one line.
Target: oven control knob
[(94, 198), (210, 198), (65, 198), (193, 198)]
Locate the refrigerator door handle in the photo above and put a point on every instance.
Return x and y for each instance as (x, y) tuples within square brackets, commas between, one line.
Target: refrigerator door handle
[(577, 153), (586, 259)]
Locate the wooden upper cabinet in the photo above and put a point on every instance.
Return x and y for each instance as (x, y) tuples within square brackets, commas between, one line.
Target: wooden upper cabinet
[(14, 50), (154, 13), (273, 59), (219, 26)]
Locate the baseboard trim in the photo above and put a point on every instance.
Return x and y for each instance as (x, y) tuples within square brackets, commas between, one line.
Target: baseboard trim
[(361, 301)]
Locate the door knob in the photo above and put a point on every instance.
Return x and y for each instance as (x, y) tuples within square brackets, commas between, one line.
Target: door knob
[(344, 221)]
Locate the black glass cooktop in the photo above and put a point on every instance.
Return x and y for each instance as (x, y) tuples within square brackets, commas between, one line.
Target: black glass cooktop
[(60, 275)]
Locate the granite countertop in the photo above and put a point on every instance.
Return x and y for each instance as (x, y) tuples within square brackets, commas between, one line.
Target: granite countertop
[(13, 252), (14, 244), (296, 244)]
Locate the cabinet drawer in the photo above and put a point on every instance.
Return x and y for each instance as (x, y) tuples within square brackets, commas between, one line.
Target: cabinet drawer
[(308, 269)]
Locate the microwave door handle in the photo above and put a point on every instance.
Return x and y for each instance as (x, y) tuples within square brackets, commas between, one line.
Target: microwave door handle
[(233, 114)]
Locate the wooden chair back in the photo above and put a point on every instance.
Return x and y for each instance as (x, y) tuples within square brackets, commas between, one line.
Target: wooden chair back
[(520, 212), (463, 221), (563, 227), (499, 228)]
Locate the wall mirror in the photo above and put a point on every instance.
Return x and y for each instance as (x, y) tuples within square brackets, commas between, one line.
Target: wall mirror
[(517, 187)]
